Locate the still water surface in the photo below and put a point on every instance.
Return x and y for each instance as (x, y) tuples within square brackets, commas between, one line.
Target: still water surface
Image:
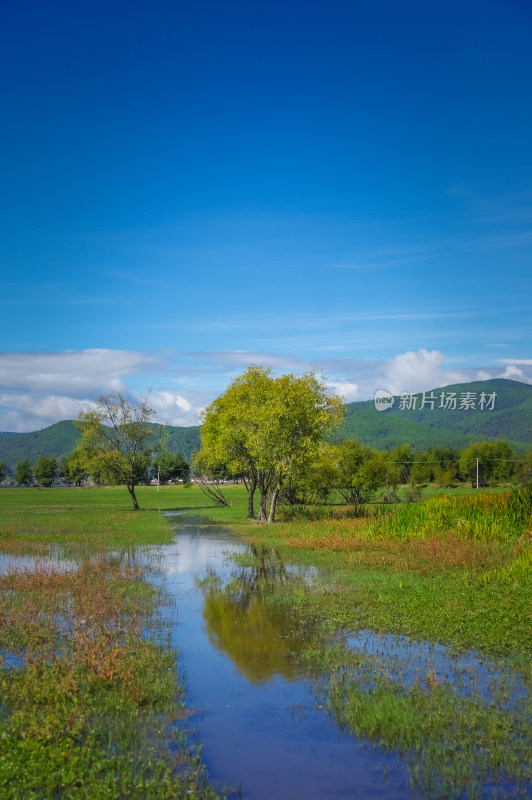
[(259, 720)]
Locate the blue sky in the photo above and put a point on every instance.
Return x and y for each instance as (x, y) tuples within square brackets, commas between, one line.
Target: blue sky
[(188, 188)]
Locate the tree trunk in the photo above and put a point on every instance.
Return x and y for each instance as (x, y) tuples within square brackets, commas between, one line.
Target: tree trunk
[(251, 511), (264, 481), (261, 517), (131, 490), (273, 504), (251, 485)]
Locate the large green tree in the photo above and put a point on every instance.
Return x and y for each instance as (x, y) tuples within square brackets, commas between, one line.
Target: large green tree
[(301, 413), (229, 429), (117, 443), (46, 471), (403, 457), (24, 473), (315, 480), (446, 464), (361, 472), (3, 471), (487, 462), (170, 467), (266, 428), (71, 470)]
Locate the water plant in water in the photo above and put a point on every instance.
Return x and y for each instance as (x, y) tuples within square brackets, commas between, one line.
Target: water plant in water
[(458, 740)]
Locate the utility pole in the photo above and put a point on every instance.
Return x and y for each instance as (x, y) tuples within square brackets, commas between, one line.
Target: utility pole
[(477, 472), (159, 477)]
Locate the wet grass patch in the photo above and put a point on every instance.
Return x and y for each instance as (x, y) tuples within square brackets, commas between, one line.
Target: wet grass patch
[(451, 574), (455, 745), (462, 723), (92, 705)]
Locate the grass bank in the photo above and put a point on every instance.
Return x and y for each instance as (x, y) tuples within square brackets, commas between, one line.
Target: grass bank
[(89, 684), (451, 569)]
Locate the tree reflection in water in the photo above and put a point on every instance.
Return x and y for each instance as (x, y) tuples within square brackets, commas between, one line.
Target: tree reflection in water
[(241, 619)]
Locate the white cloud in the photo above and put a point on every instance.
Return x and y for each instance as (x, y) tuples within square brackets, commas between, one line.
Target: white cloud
[(409, 372), (349, 392), (174, 408), (27, 412), (417, 372), (46, 406), (513, 373), (182, 403), (77, 373), (38, 389)]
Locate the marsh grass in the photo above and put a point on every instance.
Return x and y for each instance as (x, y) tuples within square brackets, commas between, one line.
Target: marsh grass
[(484, 516), (454, 569), (455, 745), (462, 723), (91, 700)]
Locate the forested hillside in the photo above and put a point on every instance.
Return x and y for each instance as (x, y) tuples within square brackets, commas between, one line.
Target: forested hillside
[(510, 418), (60, 439), (432, 426)]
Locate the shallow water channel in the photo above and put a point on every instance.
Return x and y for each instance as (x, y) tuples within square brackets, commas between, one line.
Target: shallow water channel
[(262, 729)]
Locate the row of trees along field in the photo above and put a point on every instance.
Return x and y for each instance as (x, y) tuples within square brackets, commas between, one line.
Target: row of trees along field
[(359, 474), (269, 432), (117, 446), (164, 466)]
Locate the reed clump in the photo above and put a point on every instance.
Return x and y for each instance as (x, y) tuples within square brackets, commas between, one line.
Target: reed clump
[(89, 687), (484, 516)]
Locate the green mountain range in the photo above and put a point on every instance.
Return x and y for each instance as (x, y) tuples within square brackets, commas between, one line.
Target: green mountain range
[(437, 425), (60, 439), (430, 426)]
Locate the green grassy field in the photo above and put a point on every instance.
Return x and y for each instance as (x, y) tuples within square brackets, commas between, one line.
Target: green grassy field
[(81, 718)]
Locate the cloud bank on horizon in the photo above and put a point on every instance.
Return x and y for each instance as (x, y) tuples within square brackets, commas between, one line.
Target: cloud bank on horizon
[(38, 389)]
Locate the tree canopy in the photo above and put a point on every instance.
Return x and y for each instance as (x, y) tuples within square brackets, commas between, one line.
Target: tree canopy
[(496, 461), (170, 467), (72, 471), (117, 443), (361, 471), (265, 429), (46, 471), (24, 473)]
